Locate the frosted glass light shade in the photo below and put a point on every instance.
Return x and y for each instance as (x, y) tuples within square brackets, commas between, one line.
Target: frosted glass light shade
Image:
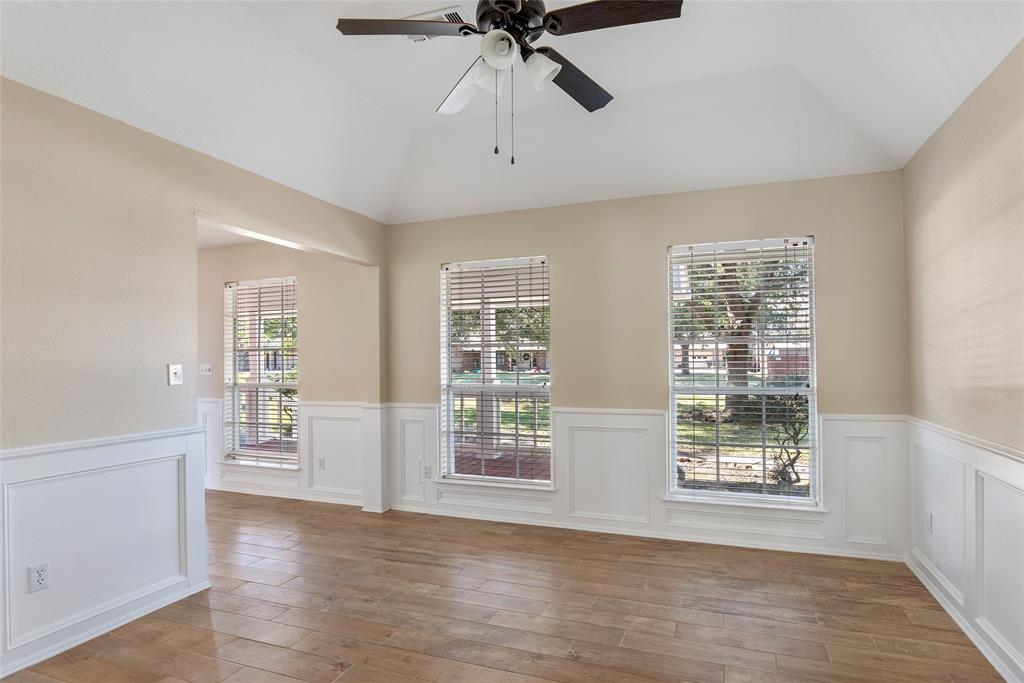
[(541, 69), (488, 79), (499, 49)]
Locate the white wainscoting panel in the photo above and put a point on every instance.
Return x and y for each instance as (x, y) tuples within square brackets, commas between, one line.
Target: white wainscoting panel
[(339, 451), (863, 469), (611, 475), (609, 466), (331, 470), (967, 536), (331, 450), (62, 509), (211, 419), (747, 523), (1001, 564), (412, 434), (453, 495), (864, 484), (121, 524), (940, 514)]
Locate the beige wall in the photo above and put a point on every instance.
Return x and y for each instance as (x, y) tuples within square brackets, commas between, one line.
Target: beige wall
[(99, 285), (964, 221), (98, 282), (337, 318), (608, 286)]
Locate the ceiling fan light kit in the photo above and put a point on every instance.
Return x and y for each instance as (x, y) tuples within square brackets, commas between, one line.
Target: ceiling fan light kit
[(490, 80), (524, 21), (499, 49), (509, 27), (541, 70)]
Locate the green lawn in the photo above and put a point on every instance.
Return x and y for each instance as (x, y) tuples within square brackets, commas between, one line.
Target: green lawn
[(698, 421), (505, 377), (707, 378), (530, 416)]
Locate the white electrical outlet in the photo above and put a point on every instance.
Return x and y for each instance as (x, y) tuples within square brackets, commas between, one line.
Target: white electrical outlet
[(175, 375), (321, 463), (38, 577), (426, 470), (205, 369)]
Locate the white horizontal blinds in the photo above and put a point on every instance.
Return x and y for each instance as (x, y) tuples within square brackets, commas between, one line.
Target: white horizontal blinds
[(742, 366), (496, 369), (261, 398), (230, 409)]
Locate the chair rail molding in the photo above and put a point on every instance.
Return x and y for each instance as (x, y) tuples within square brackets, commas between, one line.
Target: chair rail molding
[(58, 503)]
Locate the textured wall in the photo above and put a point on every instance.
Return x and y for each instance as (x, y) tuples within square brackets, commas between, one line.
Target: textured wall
[(609, 279), (336, 317), (964, 222), (99, 266)]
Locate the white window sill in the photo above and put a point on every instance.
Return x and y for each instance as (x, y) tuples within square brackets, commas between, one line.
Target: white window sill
[(271, 467), (496, 484), (732, 500)]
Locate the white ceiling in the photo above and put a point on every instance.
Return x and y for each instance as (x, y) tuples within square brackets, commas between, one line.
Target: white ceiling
[(733, 93)]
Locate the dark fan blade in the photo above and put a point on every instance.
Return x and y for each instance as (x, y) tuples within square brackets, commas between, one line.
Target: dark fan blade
[(591, 16), (463, 91), (403, 27), (577, 84)]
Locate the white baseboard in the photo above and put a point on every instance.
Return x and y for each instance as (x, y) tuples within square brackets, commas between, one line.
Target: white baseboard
[(61, 501), (991, 654), (296, 494), (8, 667), (642, 533), (339, 456), (967, 536)]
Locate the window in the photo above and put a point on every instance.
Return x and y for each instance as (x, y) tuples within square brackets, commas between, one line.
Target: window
[(496, 370), (741, 328), (261, 372)]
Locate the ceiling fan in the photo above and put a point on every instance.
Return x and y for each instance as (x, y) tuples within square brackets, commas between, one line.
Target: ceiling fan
[(509, 27)]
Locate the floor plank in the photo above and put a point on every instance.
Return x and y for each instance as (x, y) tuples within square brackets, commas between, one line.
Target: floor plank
[(289, 662), (351, 651), (586, 615), (162, 660), (495, 600), (324, 593), (448, 671), (559, 627), (719, 654), (752, 641)]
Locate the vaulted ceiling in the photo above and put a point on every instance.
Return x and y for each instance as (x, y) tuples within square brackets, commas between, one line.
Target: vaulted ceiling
[(732, 93)]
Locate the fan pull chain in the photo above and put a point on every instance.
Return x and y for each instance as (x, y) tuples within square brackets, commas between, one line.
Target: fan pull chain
[(495, 111), (512, 77)]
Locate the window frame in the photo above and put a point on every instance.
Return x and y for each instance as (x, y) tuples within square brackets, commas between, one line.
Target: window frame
[(813, 500), (232, 388), (519, 390)]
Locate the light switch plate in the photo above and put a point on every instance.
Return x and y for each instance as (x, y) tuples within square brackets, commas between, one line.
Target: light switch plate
[(205, 369), (174, 374)]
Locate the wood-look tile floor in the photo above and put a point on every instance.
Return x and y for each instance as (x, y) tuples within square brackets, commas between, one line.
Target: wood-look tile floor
[(318, 592)]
